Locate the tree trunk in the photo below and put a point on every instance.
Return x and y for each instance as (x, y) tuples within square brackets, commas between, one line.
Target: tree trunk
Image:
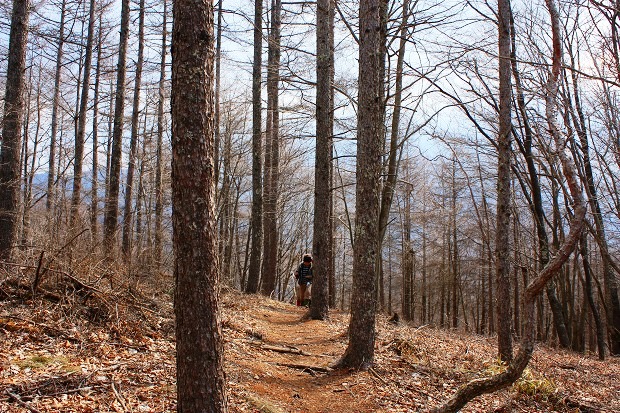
[(94, 209), (81, 122), (51, 173), (502, 239), (360, 350), (111, 206), (323, 161), (587, 272), (12, 128), (272, 155), (159, 184), (133, 144), (201, 386), (256, 223)]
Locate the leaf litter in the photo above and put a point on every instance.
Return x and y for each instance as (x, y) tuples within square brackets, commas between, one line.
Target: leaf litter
[(53, 359)]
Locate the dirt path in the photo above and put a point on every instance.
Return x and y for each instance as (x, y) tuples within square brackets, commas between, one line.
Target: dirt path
[(285, 364)]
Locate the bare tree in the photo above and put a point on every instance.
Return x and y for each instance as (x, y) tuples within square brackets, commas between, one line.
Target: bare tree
[(111, 205), (360, 350), (502, 241), (201, 386), (81, 121), (537, 285), (133, 144), (256, 223), (12, 128), (323, 160), (272, 155)]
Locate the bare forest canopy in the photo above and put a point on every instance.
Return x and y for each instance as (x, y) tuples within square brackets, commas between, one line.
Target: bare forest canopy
[(91, 191)]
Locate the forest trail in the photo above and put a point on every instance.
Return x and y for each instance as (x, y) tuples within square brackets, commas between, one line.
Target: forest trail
[(115, 354)]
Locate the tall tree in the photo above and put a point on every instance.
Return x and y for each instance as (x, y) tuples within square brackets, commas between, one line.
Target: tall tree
[(323, 161), (94, 199), (81, 120), (111, 205), (502, 240), (256, 222), (159, 185), (12, 127), (360, 350), (133, 143), (272, 155), (51, 174), (201, 386)]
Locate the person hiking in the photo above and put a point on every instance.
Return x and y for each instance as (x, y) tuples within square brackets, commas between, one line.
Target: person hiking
[(303, 275)]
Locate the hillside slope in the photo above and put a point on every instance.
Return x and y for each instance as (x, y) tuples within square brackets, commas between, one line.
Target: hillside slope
[(103, 355)]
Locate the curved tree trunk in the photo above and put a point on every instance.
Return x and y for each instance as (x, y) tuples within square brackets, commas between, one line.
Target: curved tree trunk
[(519, 362)]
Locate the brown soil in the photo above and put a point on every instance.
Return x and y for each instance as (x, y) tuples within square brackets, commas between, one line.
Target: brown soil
[(277, 361)]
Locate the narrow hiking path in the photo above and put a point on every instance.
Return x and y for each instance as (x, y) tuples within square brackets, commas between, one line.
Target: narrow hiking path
[(286, 358)]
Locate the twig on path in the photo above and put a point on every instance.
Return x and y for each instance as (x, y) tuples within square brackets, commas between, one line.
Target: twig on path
[(19, 401), (292, 350), (118, 396), (378, 376), (346, 387), (304, 367)]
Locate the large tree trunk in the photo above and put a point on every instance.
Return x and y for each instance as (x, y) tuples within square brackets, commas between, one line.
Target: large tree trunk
[(256, 223), (360, 351), (502, 238), (111, 205), (272, 156), (12, 128), (133, 144), (201, 386), (323, 161), (81, 123)]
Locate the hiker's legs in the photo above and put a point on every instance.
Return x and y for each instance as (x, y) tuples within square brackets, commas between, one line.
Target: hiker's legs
[(302, 294)]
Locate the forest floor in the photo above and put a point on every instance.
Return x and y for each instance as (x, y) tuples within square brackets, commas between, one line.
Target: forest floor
[(94, 353)]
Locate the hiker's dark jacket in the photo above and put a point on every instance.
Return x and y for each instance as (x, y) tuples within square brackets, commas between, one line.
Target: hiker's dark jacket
[(304, 274)]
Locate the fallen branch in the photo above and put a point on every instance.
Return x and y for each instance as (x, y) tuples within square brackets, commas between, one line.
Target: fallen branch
[(305, 367), (19, 401), (291, 350)]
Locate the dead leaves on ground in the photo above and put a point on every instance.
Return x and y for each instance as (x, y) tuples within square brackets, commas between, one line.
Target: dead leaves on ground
[(52, 359)]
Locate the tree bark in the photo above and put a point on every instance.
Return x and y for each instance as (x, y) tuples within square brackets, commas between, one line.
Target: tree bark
[(256, 222), (94, 209), (111, 206), (133, 144), (201, 385), (502, 238), (323, 161), (159, 167), (12, 128), (51, 173), (272, 156), (81, 122), (360, 350)]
